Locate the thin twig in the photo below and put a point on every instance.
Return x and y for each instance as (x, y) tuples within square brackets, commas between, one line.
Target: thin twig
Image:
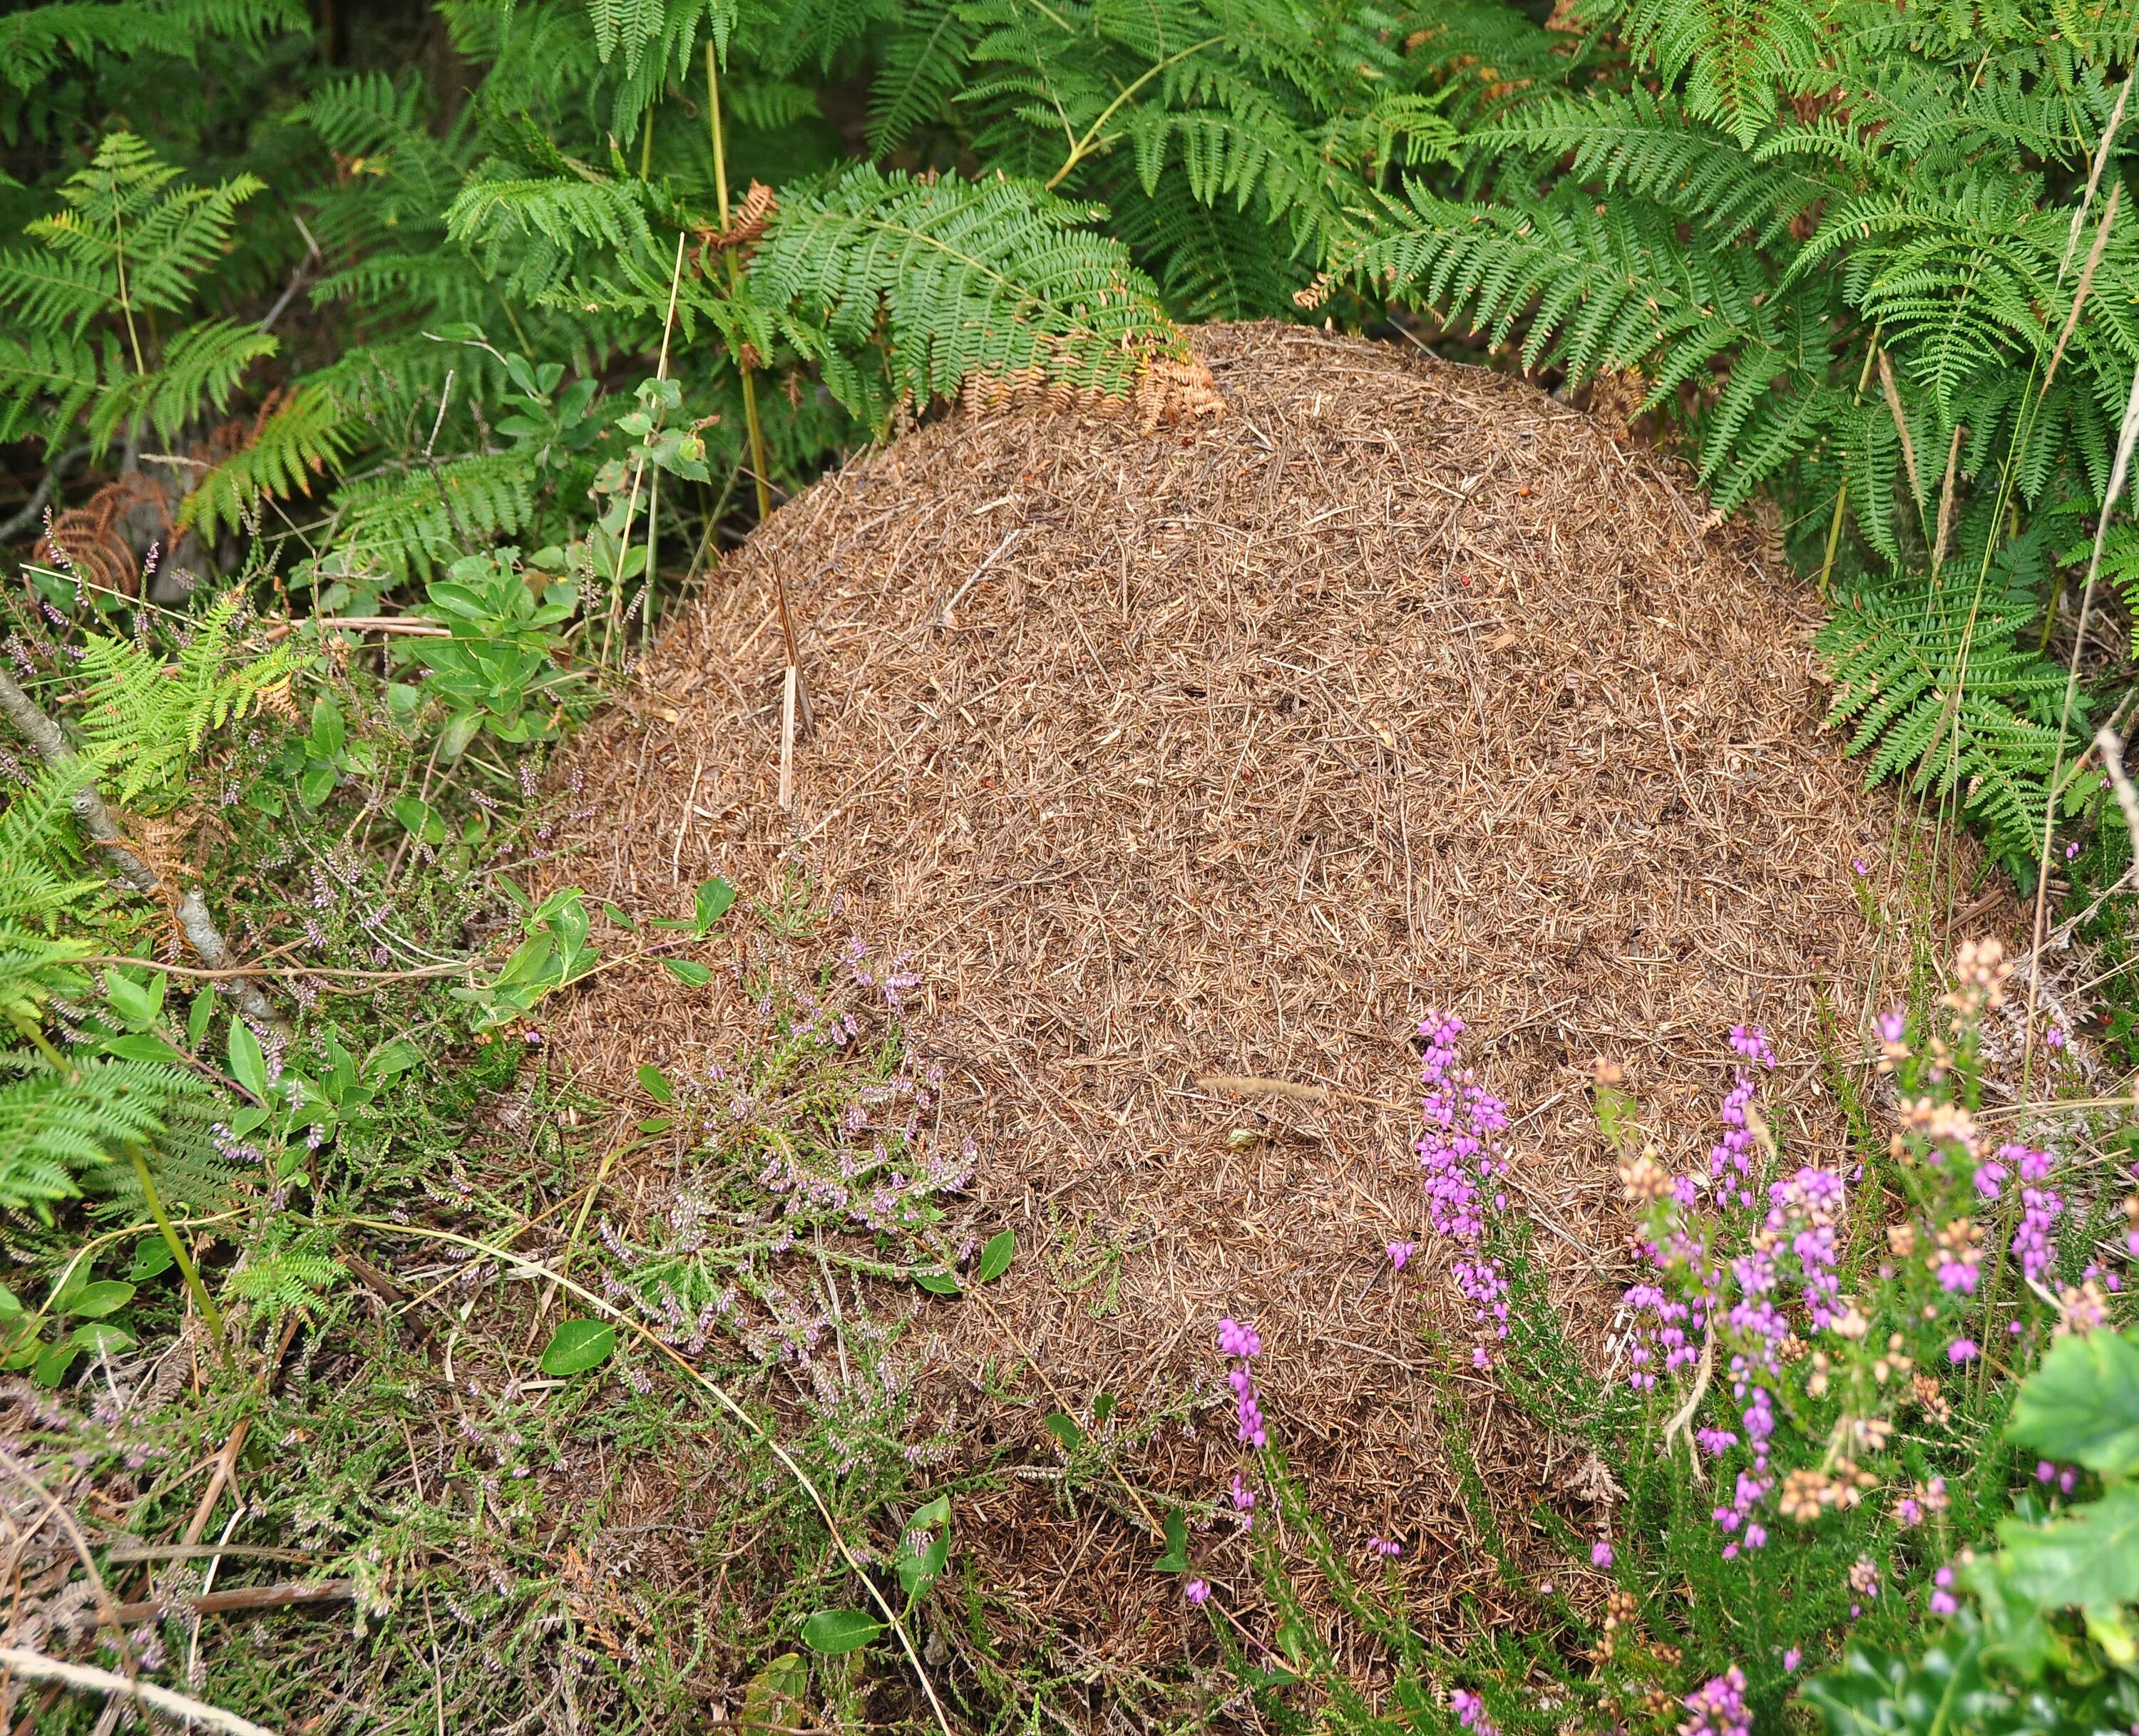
[(34, 1667)]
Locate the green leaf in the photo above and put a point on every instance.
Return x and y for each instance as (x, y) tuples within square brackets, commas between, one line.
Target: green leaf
[(93, 1302), (995, 1257), (2082, 1405), (1176, 1558), (100, 1338), (690, 974), (2086, 1559), (398, 1056), (1102, 1407), (327, 734), (712, 901), (137, 1005), (832, 1633), (577, 1346), (420, 819), (53, 1364), (655, 1084), (151, 1257), (1065, 1428), (198, 1016), (11, 1306), (248, 1065), (773, 1702), (938, 1283), (623, 920), (141, 1046)]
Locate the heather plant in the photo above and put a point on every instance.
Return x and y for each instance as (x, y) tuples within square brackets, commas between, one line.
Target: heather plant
[(1806, 1432)]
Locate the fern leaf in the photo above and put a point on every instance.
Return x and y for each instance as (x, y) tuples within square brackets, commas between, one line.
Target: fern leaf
[(942, 281)]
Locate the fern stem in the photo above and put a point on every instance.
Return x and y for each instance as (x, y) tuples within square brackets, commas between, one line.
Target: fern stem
[(126, 301), (1082, 148), (754, 428), (202, 1300), (1833, 536)]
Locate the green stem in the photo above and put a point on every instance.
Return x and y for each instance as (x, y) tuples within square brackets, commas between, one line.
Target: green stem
[(202, 1300), (1082, 147)]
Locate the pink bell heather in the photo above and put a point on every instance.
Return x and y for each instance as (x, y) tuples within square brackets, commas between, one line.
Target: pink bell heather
[(1196, 1592), (1719, 1709), (1470, 1712)]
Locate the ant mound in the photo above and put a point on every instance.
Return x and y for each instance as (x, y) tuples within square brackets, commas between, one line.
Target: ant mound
[(1232, 749)]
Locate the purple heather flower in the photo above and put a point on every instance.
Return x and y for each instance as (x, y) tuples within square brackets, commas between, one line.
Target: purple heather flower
[(1196, 1591), (1384, 1547), (1791, 1659), (1719, 1709), (1962, 1350), (1399, 1252), (1600, 1555), (1235, 1340), (1470, 1712)]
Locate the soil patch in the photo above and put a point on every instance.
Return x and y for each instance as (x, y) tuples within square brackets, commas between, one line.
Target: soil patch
[(1233, 750)]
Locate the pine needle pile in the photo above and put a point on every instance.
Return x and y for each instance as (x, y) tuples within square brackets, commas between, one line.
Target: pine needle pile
[(1229, 750)]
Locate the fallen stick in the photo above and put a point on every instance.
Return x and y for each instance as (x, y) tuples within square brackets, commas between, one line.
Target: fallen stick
[(34, 1667), (225, 1603), (1230, 1085)]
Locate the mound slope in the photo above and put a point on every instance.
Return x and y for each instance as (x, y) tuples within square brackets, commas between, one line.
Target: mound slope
[(1231, 751)]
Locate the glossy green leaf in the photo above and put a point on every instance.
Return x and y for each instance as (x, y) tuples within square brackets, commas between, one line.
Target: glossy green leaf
[(151, 1258), (834, 1632), (248, 1065), (398, 1056), (712, 901), (198, 1016), (1065, 1428), (938, 1283), (94, 1301), (655, 1084), (100, 1338), (2087, 1558), (53, 1364), (995, 1257), (577, 1346), (690, 974)]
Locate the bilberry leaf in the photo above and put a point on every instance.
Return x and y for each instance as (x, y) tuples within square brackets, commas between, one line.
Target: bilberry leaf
[(832, 1633), (577, 1346), (995, 1257), (1176, 1558)]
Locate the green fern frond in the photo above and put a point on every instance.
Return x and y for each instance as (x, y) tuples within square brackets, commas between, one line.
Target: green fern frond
[(57, 1122), (1943, 696), (199, 369), (41, 879), (300, 440), (903, 290), (408, 526), (145, 719)]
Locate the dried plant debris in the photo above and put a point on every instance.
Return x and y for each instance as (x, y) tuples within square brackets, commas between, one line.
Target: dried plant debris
[(1232, 749)]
